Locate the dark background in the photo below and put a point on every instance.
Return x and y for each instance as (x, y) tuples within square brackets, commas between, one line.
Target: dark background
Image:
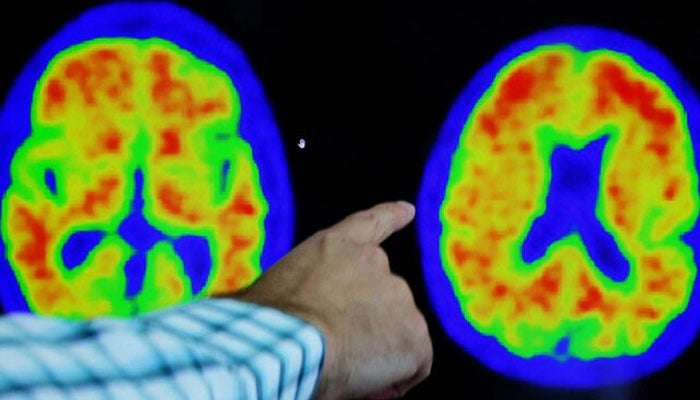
[(367, 86)]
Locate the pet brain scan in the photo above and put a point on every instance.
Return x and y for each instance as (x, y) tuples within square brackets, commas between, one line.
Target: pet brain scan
[(142, 168), (558, 211), (557, 214)]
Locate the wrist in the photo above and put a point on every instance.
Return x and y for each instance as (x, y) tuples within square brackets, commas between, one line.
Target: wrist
[(328, 378)]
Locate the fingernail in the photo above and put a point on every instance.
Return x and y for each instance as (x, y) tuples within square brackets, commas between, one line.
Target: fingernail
[(408, 206)]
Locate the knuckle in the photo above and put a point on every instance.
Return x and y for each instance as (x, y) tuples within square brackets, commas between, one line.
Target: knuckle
[(428, 357), (374, 221), (328, 237), (401, 288), (329, 243), (421, 341), (424, 334), (371, 219), (418, 326), (368, 216), (426, 361), (375, 255)]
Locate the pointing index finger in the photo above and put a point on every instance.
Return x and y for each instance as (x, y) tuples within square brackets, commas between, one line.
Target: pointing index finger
[(376, 224)]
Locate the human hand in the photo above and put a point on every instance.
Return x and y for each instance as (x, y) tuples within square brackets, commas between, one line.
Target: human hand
[(377, 341)]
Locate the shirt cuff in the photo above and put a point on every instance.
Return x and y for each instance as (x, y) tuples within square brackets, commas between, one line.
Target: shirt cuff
[(283, 354)]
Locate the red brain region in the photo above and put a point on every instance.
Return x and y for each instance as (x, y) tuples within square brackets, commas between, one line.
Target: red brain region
[(105, 111), (500, 178)]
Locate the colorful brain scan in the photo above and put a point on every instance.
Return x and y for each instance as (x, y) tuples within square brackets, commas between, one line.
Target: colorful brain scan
[(558, 211), (141, 168)]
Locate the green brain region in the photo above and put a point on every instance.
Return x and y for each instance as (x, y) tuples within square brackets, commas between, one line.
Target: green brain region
[(134, 179), (558, 211)]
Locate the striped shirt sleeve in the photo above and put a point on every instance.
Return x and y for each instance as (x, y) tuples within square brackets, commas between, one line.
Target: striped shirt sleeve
[(206, 349)]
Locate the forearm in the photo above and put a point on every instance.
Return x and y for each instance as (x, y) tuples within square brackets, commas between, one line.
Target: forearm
[(215, 348)]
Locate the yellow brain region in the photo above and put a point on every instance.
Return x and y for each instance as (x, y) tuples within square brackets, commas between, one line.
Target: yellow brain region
[(501, 176), (128, 137)]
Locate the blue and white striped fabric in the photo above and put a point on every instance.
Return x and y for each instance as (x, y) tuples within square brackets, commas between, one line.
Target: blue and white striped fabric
[(208, 349)]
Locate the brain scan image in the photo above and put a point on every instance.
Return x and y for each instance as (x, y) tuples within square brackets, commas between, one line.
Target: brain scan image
[(141, 168), (558, 211)]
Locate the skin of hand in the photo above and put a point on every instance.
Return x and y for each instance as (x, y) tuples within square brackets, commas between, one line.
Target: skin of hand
[(377, 341)]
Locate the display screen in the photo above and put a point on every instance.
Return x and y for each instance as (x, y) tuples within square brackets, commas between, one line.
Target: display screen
[(144, 168), (558, 212), (156, 153)]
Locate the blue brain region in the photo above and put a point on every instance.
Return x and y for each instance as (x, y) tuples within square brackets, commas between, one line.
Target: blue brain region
[(558, 211), (144, 168)]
